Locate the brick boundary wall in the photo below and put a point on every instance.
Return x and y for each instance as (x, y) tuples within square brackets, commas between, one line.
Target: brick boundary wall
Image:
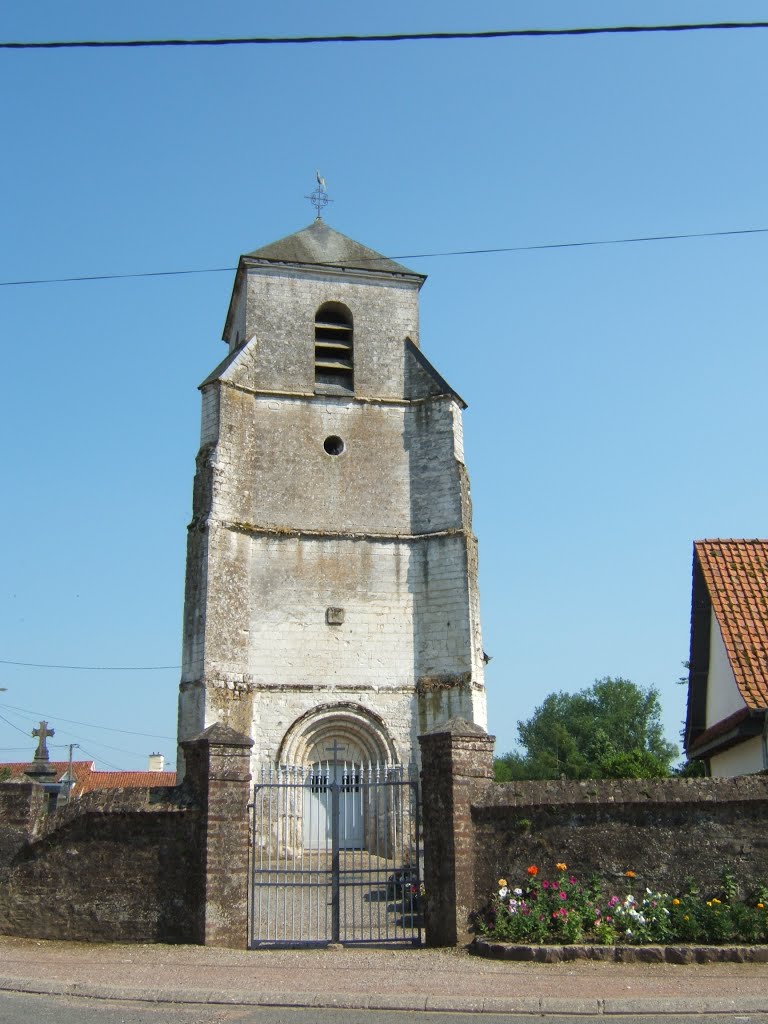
[(154, 864), (665, 830)]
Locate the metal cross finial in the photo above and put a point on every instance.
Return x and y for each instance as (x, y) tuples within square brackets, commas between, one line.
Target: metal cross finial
[(41, 754), (319, 198)]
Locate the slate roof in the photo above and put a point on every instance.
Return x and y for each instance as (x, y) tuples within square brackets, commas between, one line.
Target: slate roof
[(735, 573), (86, 779), (320, 244)]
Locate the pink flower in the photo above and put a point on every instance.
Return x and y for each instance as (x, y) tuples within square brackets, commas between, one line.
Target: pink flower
[(545, 884), (572, 880), (563, 895), (563, 912)]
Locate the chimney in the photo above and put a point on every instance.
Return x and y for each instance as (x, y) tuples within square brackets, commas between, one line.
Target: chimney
[(156, 763)]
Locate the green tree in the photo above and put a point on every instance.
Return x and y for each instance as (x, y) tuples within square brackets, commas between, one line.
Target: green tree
[(611, 730)]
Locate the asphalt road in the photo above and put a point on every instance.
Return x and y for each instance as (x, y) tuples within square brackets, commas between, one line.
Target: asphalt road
[(33, 1009)]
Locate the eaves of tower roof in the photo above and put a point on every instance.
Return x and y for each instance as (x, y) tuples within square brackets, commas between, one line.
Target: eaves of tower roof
[(735, 574)]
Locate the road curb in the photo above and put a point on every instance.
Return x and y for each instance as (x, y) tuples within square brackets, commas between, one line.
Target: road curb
[(530, 1005)]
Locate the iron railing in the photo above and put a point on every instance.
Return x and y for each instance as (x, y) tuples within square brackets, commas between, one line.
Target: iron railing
[(335, 855)]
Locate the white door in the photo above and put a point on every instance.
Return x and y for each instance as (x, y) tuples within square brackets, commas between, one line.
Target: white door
[(318, 804)]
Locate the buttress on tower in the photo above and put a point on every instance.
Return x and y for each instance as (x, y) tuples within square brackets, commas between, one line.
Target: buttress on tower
[(331, 588)]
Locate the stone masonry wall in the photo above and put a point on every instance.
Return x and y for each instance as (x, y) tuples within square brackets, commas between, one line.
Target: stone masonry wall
[(665, 830), (114, 866), (153, 864), (281, 307)]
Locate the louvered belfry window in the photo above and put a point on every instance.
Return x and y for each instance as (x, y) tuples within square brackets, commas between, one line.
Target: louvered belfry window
[(334, 366)]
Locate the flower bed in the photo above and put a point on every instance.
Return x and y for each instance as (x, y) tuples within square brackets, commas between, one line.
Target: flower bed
[(562, 910)]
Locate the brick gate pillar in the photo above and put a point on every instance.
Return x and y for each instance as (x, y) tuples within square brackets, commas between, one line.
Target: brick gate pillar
[(218, 770), (457, 761)]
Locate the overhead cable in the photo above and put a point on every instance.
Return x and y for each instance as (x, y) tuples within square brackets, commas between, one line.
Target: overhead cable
[(397, 37), (372, 260), (48, 716), (94, 668)]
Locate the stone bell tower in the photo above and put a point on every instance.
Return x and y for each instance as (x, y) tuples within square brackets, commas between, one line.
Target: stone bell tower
[(331, 588)]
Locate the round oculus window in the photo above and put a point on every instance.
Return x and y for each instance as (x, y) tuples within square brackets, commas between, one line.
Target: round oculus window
[(333, 445)]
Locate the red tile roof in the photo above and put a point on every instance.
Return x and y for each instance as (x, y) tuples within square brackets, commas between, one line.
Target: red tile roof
[(736, 576), (86, 779), (118, 780)]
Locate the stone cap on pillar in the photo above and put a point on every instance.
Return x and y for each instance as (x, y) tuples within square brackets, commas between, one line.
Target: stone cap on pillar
[(463, 748), (219, 735), (217, 754), (458, 727)]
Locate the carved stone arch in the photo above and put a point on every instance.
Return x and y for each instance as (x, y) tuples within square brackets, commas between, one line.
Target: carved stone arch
[(360, 733)]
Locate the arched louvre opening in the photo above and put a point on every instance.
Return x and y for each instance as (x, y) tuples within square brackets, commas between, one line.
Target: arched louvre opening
[(334, 356)]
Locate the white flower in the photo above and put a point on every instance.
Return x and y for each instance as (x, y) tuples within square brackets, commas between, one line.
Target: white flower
[(628, 933), (518, 892), (503, 891)]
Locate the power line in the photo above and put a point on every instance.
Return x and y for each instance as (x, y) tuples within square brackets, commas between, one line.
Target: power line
[(88, 725), (102, 759), (112, 277), (373, 260), (398, 37), (16, 727), (94, 668)]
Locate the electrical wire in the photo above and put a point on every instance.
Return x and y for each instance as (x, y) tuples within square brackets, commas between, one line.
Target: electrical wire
[(47, 716), (94, 668), (398, 37), (379, 259), (103, 760), (16, 727)]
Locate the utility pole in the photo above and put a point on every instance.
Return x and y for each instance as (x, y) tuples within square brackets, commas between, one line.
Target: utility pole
[(70, 780)]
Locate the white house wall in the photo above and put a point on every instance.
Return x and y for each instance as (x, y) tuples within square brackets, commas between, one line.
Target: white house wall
[(744, 758), (723, 695)]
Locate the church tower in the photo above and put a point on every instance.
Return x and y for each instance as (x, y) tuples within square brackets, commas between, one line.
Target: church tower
[(331, 590)]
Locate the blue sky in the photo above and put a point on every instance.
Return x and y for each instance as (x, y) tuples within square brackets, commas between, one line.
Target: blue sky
[(616, 393)]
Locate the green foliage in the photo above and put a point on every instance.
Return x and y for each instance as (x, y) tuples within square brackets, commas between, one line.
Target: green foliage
[(563, 910), (690, 770), (611, 730), (5, 773)]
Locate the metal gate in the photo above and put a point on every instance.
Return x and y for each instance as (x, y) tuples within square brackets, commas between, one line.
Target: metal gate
[(335, 855)]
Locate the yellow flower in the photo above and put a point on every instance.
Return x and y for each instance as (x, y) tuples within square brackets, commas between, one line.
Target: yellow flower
[(502, 882), (709, 903), (561, 867), (761, 906), (715, 901), (675, 902), (685, 917)]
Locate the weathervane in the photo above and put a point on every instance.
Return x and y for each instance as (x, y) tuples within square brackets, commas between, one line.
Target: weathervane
[(319, 198)]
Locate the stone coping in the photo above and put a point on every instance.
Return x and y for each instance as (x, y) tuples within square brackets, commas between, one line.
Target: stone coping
[(496, 950)]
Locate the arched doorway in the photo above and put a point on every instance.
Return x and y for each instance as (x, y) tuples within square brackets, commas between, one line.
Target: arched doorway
[(340, 747)]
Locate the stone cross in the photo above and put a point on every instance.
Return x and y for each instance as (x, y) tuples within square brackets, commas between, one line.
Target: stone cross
[(41, 754), (335, 750)]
